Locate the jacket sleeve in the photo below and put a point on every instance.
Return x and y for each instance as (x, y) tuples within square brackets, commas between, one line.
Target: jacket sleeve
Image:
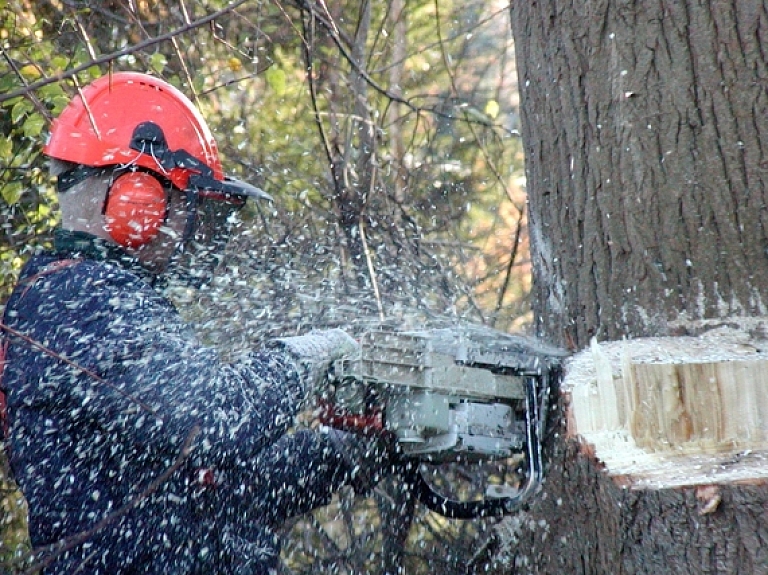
[(137, 372)]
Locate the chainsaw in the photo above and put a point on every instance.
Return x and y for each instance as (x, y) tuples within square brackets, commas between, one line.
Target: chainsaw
[(451, 395)]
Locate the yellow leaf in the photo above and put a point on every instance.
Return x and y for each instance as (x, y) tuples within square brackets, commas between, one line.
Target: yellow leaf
[(492, 109), (235, 64), (30, 72)]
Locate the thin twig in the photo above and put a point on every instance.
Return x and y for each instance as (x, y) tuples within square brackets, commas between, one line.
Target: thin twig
[(86, 38), (85, 370), (180, 56), (114, 55), (510, 265), (371, 270), (187, 75), (87, 105), (309, 43), (35, 101)]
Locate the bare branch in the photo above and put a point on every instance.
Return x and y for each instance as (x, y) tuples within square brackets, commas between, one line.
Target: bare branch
[(114, 55), (331, 27)]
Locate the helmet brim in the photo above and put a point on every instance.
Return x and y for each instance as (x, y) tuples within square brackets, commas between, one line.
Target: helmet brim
[(240, 188), (226, 190)]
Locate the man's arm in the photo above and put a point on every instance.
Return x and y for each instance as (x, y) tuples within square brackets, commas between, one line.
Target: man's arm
[(155, 381)]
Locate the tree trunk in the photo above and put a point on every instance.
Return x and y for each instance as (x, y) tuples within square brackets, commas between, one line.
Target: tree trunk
[(644, 125), (587, 523)]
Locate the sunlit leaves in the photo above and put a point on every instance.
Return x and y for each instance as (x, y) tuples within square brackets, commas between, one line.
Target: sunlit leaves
[(492, 109), (276, 80)]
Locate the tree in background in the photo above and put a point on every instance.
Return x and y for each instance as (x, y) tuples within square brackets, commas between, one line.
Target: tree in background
[(309, 112), (387, 134)]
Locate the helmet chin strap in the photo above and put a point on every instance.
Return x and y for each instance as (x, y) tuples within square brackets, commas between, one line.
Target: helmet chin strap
[(69, 179), (190, 202), (191, 198)]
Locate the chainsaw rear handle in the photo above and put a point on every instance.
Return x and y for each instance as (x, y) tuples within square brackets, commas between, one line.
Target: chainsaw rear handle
[(453, 509), (536, 403)]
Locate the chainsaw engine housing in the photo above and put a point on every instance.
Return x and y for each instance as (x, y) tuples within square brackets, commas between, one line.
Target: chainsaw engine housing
[(447, 395), (439, 427), (461, 395)]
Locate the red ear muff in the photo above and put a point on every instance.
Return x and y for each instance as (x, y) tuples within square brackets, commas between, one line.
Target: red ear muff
[(135, 209)]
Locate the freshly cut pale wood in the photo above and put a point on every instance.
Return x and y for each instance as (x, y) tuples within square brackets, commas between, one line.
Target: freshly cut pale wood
[(673, 411)]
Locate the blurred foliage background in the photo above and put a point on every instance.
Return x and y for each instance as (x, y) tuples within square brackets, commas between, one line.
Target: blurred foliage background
[(387, 133)]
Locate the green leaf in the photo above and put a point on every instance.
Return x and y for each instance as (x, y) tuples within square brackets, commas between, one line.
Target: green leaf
[(6, 147), (33, 125), (12, 192), (19, 110), (8, 82), (59, 62), (49, 91), (59, 103), (276, 80), (157, 62), (198, 83)]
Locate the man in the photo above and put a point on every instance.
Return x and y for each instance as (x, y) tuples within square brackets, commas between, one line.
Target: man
[(137, 449)]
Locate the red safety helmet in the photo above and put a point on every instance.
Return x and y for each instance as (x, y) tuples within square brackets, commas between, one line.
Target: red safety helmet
[(147, 133), (129, 119)]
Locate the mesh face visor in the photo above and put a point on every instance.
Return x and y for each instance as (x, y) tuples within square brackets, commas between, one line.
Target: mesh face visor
[(211, 218), (214, 221), (212, 202)]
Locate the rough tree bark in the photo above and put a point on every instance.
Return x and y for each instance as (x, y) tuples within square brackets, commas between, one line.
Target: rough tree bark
[(645, 127)]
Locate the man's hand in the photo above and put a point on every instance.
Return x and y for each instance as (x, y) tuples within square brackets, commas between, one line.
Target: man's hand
[(321, 345), (315, 351)]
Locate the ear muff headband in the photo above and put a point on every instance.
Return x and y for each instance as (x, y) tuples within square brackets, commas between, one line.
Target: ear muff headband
[(135, 208)]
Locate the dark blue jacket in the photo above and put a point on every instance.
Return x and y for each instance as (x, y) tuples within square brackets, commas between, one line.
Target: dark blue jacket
[(102, 414)]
